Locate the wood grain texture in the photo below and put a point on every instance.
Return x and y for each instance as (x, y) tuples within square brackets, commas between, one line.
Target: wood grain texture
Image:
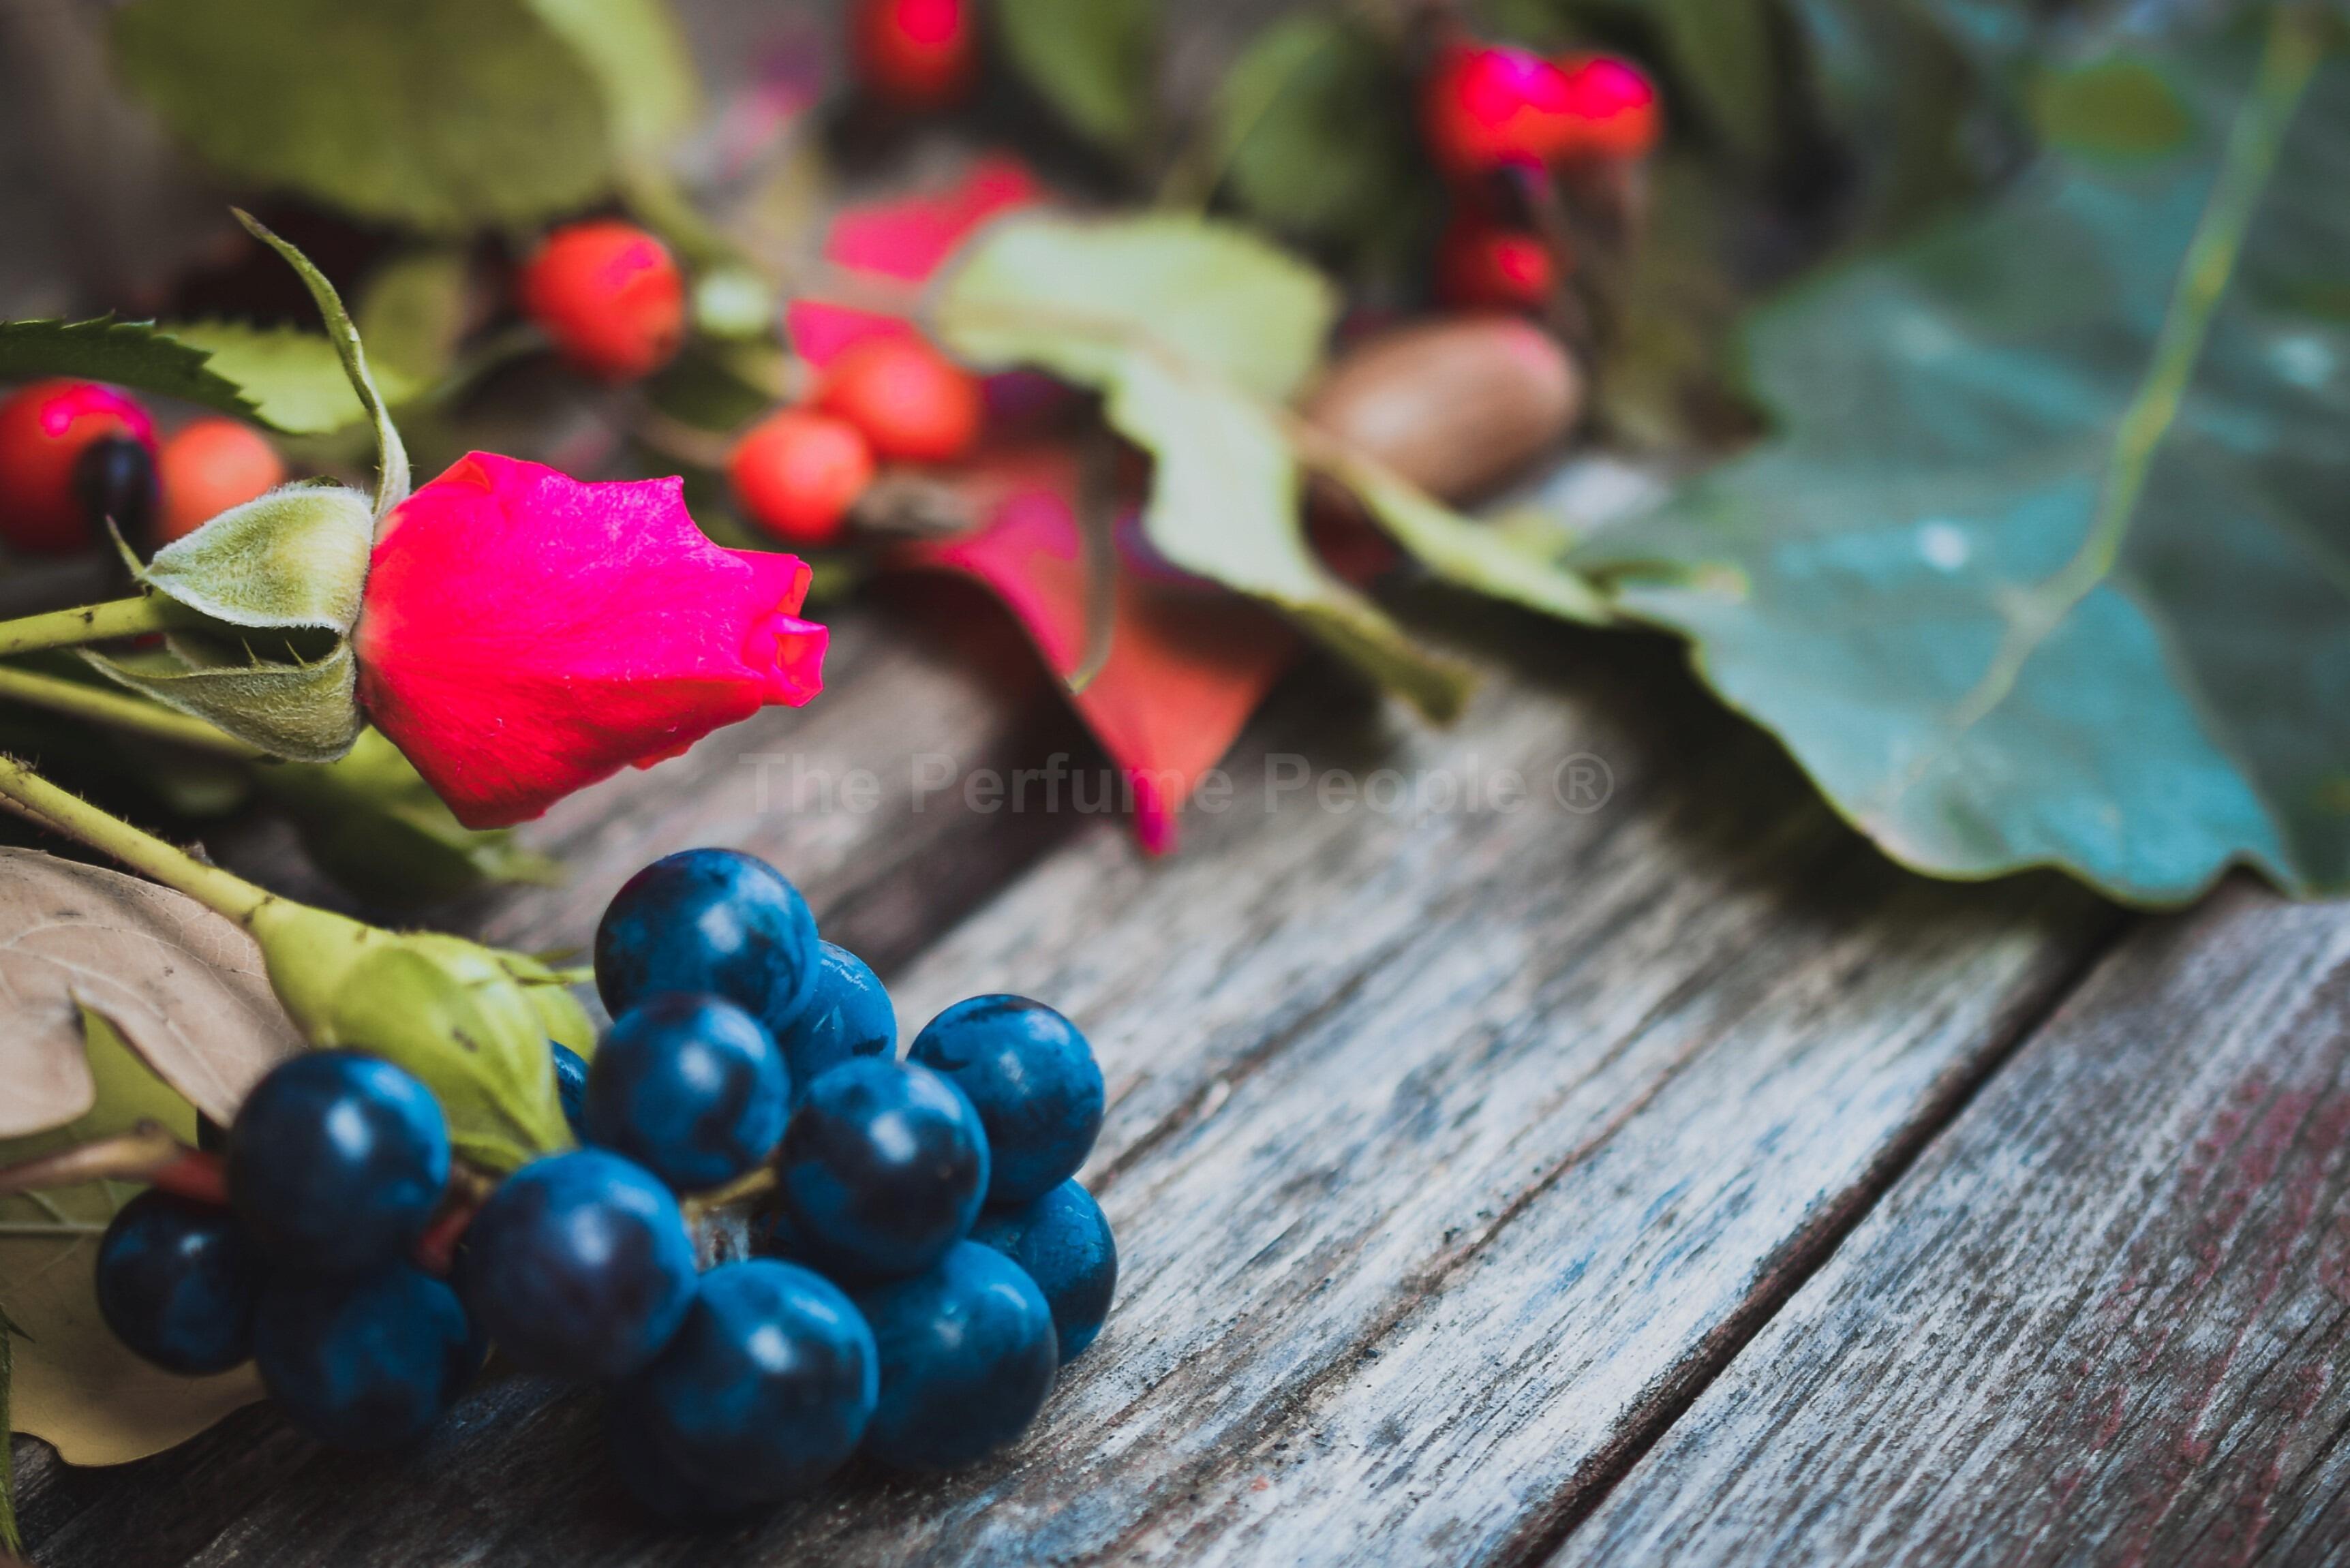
[(1447, 1148), (2105, 1318)]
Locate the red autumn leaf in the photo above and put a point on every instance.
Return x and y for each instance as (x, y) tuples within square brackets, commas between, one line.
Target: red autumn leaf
[(1188, 661)]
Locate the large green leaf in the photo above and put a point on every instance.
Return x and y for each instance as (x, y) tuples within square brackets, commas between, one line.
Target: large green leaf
[(292, 375), (639, 58), (2051, 563), (444, 115), (1091, 59)]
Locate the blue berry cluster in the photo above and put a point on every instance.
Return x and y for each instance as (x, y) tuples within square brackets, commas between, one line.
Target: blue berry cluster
[(921, 1264)]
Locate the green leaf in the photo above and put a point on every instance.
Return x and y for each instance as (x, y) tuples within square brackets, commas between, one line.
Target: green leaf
[(72, 1383), (134, 354), (2049, 564), (442, 115), (1091, 59), (374, 825), (1306, 130), (292, 376), (638, 59), (1192, 330)]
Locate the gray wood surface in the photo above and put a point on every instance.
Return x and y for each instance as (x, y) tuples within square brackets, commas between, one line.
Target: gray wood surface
[(1449, 1152), (2105, 1319)]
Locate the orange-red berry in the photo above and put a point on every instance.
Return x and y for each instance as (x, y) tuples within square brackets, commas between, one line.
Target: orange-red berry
[(1485, 106), (796, 474), (1616, 111), (609, 295), (45, 428), (916, 54), (1480, 265), (208, 466), (912, 402)]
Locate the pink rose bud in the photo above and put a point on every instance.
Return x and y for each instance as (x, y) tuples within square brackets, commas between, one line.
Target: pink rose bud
[(523, 635)]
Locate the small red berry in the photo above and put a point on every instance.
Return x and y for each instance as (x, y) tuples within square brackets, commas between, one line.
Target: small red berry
[(610, 296), (44, 429), (1615, 104), (916, 54), (1480, 265), (208, 466), (1486, 106), (796, 474), (913, 403)]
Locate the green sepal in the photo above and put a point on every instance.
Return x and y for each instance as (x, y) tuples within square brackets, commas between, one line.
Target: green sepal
[(305, 712), (471, 1021), (392, 481), (294, 557)]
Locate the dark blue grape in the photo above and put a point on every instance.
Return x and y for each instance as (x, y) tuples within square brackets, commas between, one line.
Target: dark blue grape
[(766, 1388), (1031, 1078), (337, 1162), (579, 1264), (176, 1283), (882, 1169), (848, 1016), (366, 1362), (655, 1480), (1062, 1240), (690, 1086), (571, 1087), (715, 920), (967, 1358)]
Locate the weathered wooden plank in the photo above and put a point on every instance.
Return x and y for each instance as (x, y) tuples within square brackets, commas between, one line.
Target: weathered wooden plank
[(2102, 1320), (1444, 1144)]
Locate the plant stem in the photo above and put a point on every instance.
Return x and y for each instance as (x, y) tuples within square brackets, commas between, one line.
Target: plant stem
[(60, 811), (90, 623), (121, 710)]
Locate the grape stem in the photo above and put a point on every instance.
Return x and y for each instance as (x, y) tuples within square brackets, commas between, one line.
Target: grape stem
[(90, 623), (753, 1184), (45, 805), (146, 1153)]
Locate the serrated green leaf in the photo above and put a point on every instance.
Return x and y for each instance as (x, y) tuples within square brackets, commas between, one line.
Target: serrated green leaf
[(1306, 133), (305, 712), (443, 115), (1191, 330), (134, 354), (1091, 59), (72, 1383), (292, 375), (372, 823), (2050, 563)]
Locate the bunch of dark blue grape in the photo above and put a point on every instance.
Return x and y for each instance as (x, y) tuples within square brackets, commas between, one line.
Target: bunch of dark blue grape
[(921, 1266)]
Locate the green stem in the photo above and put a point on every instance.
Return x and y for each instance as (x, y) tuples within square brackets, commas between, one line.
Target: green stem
[(121, 711), (61, 810), (90, 623)]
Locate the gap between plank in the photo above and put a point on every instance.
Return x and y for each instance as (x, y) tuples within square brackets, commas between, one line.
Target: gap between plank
[(1546, 1528)]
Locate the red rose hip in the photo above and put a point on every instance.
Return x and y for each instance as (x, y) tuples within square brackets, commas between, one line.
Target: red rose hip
[(1484, 106), (1480, 265), (208, 466), (913, 403), (796, 474), (916, 54), (610, 296), (45, 431), (1614, 105)]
